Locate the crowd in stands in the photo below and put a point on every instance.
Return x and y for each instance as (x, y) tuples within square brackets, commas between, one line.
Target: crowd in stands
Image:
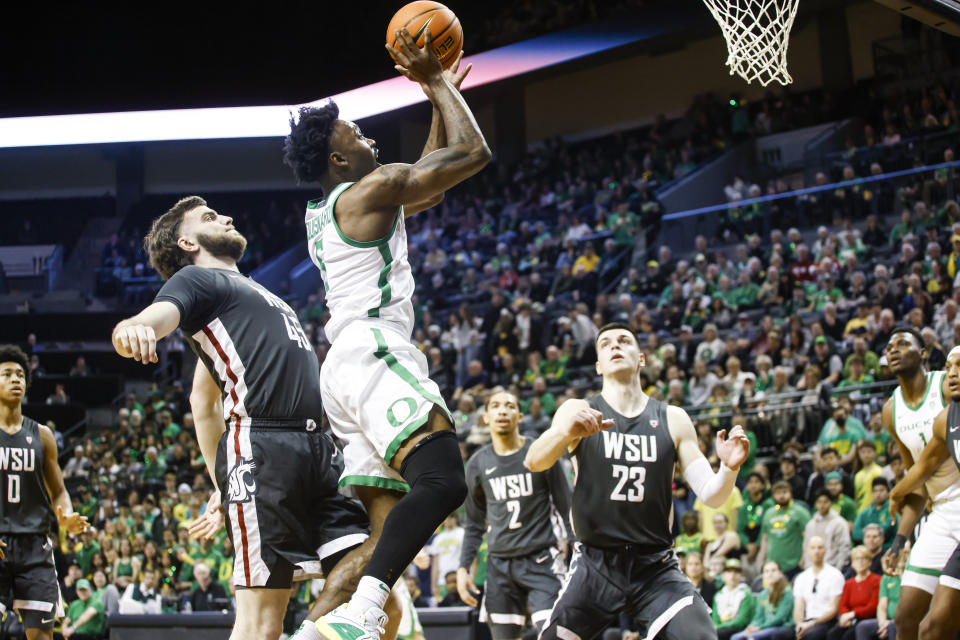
[(781, 331)]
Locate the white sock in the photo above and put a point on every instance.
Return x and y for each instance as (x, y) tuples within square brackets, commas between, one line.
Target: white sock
[(307, 631), (370, 593)]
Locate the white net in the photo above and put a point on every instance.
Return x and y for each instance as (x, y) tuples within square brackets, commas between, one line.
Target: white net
[(758, 35)]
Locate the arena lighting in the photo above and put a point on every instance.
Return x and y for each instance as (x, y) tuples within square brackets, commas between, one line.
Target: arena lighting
[(272, 121)]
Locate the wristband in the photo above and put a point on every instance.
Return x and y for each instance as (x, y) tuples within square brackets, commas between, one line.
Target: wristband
[(898, 543)]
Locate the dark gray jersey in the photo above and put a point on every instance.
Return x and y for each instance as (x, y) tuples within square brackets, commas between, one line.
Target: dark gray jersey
[(623, 480), (953, 431), (25, 505), (526, 511), (250, 341)]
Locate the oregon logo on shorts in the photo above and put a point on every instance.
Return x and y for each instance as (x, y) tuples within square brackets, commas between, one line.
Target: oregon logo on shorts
[(400, 412), (241, 484)]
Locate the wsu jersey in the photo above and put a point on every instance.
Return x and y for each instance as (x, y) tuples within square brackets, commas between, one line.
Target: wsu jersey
[(230, 321), (525, 511), (623, 482), (363, 279), (26, 504)]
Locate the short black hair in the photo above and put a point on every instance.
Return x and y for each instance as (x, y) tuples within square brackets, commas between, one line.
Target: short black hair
[(822, 493), (610, 326), (754, 474), (913, 332), (880, 480), (829, 450), (13, 353), (307, 147)]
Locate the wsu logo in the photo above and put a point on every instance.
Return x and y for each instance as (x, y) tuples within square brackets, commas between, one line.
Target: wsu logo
[(240, 483)]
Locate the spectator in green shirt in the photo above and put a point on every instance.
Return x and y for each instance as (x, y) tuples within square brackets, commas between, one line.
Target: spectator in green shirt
[(547, 399), (168, 427), (782, 530), (88, 506), (153, 468), (85, 614), (691, 538), (877, 513), (902, 228), (842, 503), (856, 375), (734, 604), (842, 432), (774, 611), (756, 502), (554, 368), (745, 295)]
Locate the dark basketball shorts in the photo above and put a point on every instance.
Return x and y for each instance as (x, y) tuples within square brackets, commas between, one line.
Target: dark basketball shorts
[(950, 577), (513, 584), (601, 584), (28, 579), (284, 514)]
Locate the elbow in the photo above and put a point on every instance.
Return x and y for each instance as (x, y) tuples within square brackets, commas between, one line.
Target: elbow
[(532, 464), (481, 155)]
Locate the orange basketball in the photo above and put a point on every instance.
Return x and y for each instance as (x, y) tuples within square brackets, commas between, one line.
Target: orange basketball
[(417, 17)]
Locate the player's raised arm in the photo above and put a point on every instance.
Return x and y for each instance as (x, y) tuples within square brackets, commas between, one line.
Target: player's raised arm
[(933, 455), (137, 337), (574, 419), (465, 153), (713, 489), (53, 478)]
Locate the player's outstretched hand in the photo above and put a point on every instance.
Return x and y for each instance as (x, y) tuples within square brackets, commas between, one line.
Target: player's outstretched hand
[(137, 341), (207, 525), (733, 450), (419, 64), (587, 422), (73, 523), (465, 587)]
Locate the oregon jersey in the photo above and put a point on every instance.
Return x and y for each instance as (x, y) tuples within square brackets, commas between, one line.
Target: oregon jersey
[(914, 427), (362, 279), (25, 506), (623, 487)]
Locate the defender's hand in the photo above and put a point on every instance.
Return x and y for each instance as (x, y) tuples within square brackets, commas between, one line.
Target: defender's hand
[(137, 341), (587, 422), (733, 451), (73, 523), (466, 588), (212, 520)]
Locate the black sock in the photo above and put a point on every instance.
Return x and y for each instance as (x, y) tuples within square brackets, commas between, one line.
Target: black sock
[(434, 471)]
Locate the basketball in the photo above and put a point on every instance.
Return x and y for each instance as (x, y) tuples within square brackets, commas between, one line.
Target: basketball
[(445, 31)]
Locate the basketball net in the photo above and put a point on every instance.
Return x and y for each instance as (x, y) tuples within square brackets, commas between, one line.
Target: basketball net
[(757, 34)]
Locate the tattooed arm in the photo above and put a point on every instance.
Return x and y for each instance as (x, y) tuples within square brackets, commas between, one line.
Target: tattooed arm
[(464, 154)]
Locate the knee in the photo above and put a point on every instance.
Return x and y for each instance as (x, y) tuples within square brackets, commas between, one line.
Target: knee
[(907, 617), (932, 628)]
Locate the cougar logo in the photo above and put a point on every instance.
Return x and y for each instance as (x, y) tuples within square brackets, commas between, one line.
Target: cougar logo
[(240, 483)]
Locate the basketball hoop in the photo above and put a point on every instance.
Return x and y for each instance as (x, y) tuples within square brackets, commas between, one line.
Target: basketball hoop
[(757, 34)]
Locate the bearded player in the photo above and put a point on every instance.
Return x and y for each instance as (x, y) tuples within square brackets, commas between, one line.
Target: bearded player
[(941, 623), (395, 428), (909, 416), (33, 497), (257, 414), (624, 446)]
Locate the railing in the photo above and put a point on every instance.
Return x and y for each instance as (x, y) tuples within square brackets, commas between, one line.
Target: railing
[(881, 194), (797, 415)]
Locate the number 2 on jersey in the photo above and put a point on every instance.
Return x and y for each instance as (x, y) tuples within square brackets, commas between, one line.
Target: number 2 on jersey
[(513, 506), (624, 474)]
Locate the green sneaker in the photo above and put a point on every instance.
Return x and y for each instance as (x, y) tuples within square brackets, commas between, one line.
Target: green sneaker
[(345, 623)]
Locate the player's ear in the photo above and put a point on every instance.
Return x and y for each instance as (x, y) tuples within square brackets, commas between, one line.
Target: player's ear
[(187, 245), (337, 159)]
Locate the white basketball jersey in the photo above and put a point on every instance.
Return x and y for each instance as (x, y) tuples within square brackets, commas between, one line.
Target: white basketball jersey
[(914, 427), (363, 279)]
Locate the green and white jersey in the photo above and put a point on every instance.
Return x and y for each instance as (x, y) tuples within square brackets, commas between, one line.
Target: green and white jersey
[(914, 427), (363, 279)]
